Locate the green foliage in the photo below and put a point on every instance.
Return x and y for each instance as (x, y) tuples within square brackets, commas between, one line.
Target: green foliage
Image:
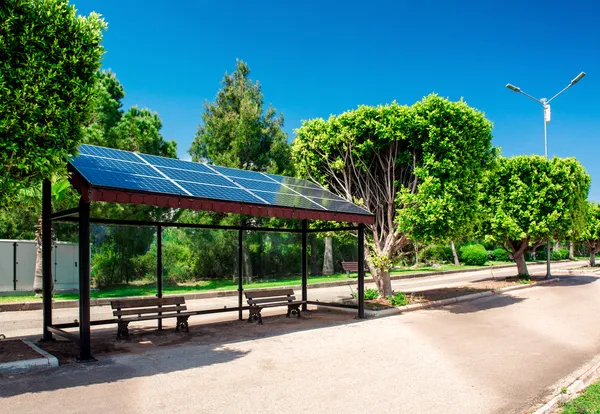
[(499, 255), (437, 253), (590, 236), (398, 299), (49, 57), (587, 402), (529, 197), (237, 131), (473, 255), (415, 168), (371, 294)]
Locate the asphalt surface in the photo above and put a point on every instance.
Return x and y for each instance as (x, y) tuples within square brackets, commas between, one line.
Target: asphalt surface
[(500, 354), (14, 324)]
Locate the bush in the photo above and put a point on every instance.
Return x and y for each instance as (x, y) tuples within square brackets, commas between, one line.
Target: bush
[(499, 255), (562, 254), (474, 255), (398, 299), (371, 294), (437, 254)]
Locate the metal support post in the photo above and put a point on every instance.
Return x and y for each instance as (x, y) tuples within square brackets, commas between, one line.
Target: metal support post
[(240, 271), (304, 264), (47, 258), (361, 271), (85, 354), (159, 268), (15, 263)]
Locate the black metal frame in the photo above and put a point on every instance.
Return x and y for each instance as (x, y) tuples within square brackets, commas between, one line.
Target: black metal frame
[(84, 221)]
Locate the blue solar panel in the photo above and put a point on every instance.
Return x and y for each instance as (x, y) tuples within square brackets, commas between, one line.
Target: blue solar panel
[(288, 200), (108, 153), (340, 206), (261, 185), (115, 179), (173, 163), (85, 162), (232, 172), (196, 177), (316, 193), (293, 181), (220, 193), (110, 168)]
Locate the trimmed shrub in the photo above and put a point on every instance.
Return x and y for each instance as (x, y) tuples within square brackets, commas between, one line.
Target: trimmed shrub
[(474, 255), (437, 254), (399, 299), (499, 255), (562, 254)]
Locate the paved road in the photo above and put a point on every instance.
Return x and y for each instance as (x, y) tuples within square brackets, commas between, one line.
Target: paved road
[(14, 324), (498, 354)]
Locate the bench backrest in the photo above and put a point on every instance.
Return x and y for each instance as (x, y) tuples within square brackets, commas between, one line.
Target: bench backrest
[(351, 266), (170, 304), (264, 297)]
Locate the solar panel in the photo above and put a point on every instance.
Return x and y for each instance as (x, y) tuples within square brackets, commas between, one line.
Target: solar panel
[(117, 169)]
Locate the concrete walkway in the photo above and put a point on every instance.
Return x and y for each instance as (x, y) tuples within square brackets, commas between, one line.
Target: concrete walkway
[(500, 354), (494, 355), (27, 323)]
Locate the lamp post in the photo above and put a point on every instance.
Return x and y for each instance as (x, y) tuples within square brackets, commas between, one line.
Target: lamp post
[(546, 104)]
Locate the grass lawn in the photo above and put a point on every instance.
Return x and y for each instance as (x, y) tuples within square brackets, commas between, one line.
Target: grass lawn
[(148, 288), (588, 402)]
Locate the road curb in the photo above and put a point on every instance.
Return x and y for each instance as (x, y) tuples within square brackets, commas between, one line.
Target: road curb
[(437, 303), (590, 376), (64, 304), (17, 367)]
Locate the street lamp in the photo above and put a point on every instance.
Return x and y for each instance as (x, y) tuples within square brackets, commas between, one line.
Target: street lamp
[(546, 104)]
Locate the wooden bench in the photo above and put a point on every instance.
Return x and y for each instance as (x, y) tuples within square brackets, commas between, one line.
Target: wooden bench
[(133, 310), (351, 267), (258, 300)]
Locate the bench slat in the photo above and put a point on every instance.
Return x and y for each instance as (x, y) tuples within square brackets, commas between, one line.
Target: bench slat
[(149, 318), (145, 302), (268, 293), (139, 311), (352, 266), (270, 300), (273, 305)]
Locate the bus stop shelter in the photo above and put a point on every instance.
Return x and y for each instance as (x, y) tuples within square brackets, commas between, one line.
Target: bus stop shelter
[(101, 174)]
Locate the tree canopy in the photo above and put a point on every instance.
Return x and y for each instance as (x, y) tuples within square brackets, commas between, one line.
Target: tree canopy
[(237, 131), (415, 167), (49, 59), (526, 199), (590, 235)]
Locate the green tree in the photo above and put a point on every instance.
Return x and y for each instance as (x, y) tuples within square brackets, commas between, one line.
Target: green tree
[(237, 131), (49, 59), (415, 168), (590, 236), (527, 199)]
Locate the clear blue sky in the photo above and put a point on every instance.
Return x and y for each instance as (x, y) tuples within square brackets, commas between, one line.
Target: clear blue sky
[(316, 58)]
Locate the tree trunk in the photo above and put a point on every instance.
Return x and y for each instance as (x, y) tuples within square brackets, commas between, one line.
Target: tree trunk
[(571, 250), (382, 280), (328, 257), (247, 263), (37, 279), (313, 255), (456, 261), (556, 246), (521, 264), (592, 258), (416, 253)]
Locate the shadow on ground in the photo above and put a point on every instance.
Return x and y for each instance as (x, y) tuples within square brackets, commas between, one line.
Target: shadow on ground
[(150, 352)]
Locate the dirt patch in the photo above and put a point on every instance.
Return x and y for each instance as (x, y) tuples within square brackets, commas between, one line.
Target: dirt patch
[(431, 295), (67, 351), (16, 350)]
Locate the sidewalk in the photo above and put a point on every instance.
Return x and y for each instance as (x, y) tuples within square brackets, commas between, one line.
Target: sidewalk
[(25, 323), (501, 354)]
